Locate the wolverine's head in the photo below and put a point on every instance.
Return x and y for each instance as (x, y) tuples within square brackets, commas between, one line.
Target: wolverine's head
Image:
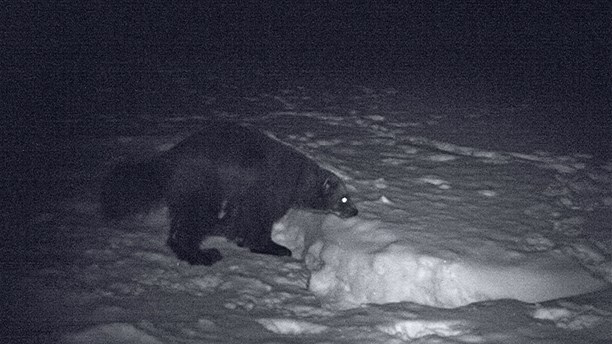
[(335, 198)]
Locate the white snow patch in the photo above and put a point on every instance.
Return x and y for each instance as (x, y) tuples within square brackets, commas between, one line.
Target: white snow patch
[(385, 200), (455, 149), (380, 183), (568, 319), (206, 282), (442, 157), (118, 333), (291, 326), (414, 329), (377, 118), (433, 180), (323, 143), (487, 193), (551, 313)]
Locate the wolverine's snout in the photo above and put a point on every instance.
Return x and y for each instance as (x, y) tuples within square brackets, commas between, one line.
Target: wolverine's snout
[(349, 213), (346, 211)]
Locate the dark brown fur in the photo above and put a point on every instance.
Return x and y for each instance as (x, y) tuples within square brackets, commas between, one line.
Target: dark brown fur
[(226, 180)]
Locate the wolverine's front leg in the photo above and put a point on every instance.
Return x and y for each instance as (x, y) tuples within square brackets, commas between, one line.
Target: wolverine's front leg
[(186, 246), (255, 226), (261, 240)]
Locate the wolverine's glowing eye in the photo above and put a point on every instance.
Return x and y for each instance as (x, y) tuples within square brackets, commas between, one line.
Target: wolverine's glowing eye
[(344, 200)]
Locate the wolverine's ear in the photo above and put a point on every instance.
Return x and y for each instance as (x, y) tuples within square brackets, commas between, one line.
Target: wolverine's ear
[(329, 184)]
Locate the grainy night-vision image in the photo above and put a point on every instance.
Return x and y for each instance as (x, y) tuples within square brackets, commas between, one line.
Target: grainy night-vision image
[(324, 171)]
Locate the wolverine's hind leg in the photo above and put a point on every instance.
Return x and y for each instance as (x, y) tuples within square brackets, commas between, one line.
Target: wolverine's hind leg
[(190, 221)]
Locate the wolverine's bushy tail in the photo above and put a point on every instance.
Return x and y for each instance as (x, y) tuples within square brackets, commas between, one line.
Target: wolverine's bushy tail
[(131, 188)]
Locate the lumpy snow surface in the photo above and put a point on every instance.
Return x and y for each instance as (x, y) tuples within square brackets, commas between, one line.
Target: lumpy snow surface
[(455, 206), (447, 225), (362, 261)]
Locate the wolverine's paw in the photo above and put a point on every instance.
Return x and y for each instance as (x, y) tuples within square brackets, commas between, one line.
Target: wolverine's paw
[(272, 249), (283, 251)]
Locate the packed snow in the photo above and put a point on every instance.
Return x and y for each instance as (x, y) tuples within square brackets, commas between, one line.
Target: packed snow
[(459, 239), (350, 268), (360, 261)]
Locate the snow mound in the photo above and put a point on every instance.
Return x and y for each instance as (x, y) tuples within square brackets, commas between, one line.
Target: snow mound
[(356, 261)]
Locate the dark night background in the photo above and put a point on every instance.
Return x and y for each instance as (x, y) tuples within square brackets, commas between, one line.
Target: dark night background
[(69, 66), (65, 55)]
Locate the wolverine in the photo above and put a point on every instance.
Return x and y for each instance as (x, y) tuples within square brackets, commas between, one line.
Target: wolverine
[(225, 180)]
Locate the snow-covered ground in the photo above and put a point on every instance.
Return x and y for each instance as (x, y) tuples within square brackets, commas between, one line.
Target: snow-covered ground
[(471, 230)]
